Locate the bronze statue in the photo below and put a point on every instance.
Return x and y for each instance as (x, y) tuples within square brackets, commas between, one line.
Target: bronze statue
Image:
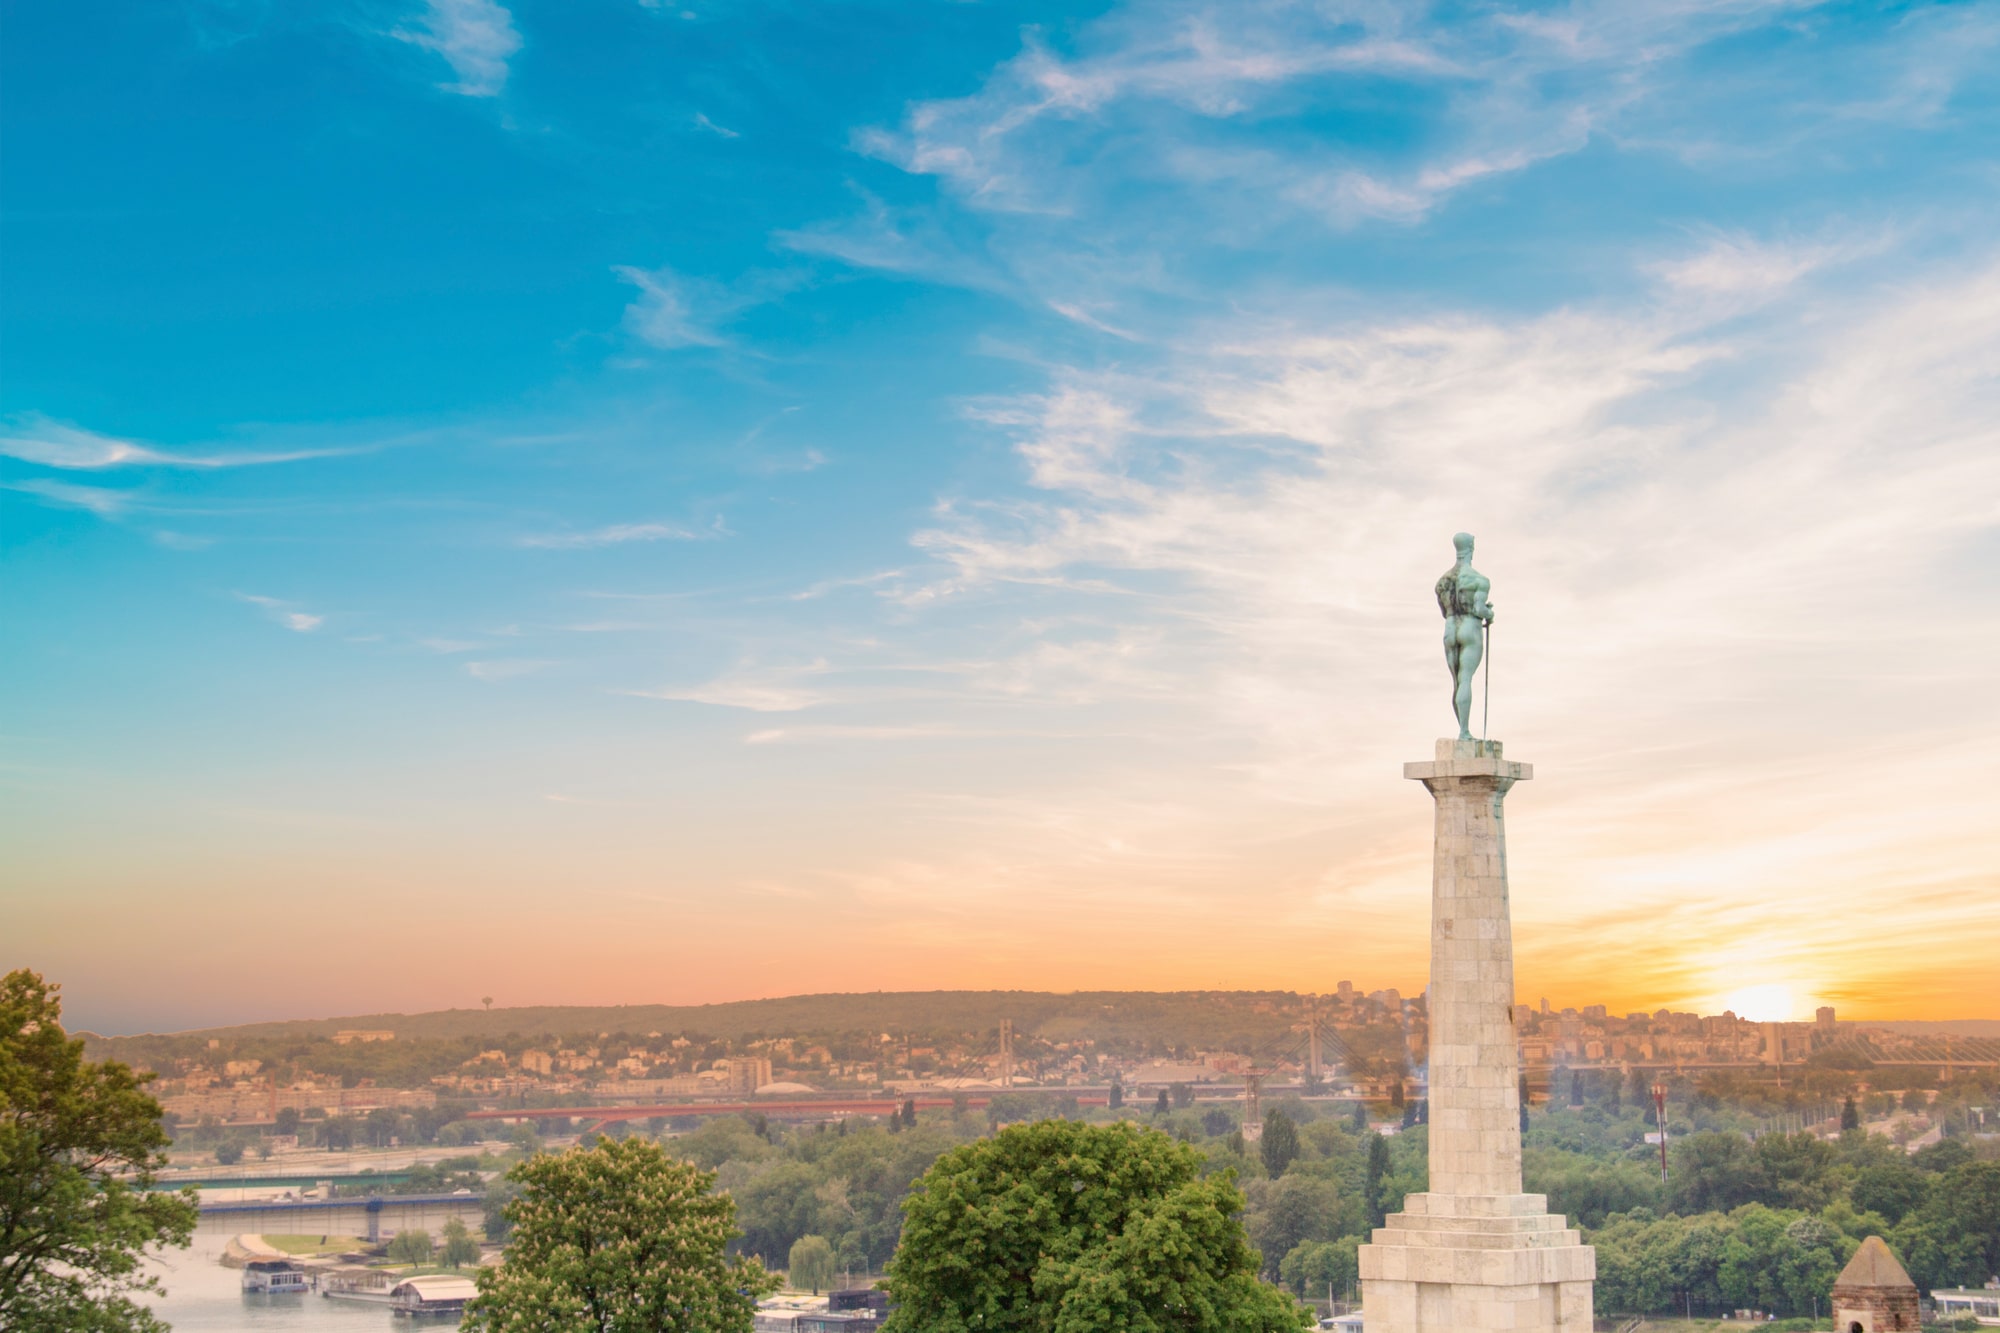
[(1461, 595)]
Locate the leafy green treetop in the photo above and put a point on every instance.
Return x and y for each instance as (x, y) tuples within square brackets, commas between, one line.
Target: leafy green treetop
[(412, 1246), (1062, 1227), (812, 1263), (79, 1143), (1279, 1145), (619, 1237), (459, 1247)]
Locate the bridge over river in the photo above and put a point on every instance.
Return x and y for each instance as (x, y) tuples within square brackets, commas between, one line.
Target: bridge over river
[(816, 1108), (374, 1218)]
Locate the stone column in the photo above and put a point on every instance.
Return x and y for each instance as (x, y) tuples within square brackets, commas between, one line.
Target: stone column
[(1475, 1109), (1474, 1252)]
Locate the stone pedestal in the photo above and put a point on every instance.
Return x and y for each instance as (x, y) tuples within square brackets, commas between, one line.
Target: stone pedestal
[(1474, 1252)]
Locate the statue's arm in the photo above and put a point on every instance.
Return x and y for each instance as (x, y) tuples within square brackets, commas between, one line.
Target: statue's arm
[(1481, 608)]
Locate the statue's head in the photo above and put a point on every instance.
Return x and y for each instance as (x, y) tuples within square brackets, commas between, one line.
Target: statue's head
[(1463, 541)]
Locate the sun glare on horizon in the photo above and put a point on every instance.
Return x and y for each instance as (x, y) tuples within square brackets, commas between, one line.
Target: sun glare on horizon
[(1772, 1002)]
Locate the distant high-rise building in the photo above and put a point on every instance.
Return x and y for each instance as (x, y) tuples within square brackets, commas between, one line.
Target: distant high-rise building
[(1824, 1017), (747, 1073), (1345, 990)]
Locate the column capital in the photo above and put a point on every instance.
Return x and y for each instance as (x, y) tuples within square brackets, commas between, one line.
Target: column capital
[(1469, 759)]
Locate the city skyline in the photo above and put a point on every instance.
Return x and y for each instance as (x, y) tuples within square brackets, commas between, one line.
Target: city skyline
[(627, 503)]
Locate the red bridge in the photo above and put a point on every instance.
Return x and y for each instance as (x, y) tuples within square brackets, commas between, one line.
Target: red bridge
[(604, 1115)]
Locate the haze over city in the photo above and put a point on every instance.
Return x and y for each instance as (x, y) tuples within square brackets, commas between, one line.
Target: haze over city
[(629, 503)]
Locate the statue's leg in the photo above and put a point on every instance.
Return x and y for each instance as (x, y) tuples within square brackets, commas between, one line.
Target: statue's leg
[(1451, 664), (1466, 630)]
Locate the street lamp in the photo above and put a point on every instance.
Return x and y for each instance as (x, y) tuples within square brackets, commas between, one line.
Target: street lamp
[(1660, 1118)]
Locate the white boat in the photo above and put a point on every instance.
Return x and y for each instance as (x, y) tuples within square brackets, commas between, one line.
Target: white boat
[(438, 1294), (270, 1276)]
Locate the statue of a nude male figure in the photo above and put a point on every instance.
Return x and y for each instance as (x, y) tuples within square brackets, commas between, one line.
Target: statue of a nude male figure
[(1461, 595)]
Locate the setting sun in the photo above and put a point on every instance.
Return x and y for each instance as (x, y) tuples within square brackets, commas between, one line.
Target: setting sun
[(1773, 1002)]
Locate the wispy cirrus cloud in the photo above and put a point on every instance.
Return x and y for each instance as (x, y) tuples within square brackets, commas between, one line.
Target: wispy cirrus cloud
[(619, 534), (47, 443), (1662, 492), (476, 38), (675, 310), (1176, 133), (758, 690), (284, 612), (102, 501)]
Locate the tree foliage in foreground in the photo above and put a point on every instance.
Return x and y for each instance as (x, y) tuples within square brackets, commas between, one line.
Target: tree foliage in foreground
[(79, 1143), (618, 1237), (1061, 1227)]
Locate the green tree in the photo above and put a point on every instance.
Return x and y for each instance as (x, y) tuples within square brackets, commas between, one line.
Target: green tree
[(1160, 1106), (229, 1152), (1377, 1172), (1316, 1267), (1292, 1211), (79, 1143), (1715, 1173), (1799, 1170), (1891, 1189), (812, 1263), (286, 1121), (618, 1238), (494, 1208), (459, 1247), (1850, 1115), (1061, 1227), (1957, 1228), (1279, 1146), (1117, 1098), (412, 1246)]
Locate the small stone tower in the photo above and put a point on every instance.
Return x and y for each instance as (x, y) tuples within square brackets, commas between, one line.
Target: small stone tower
[(1873, 1294)]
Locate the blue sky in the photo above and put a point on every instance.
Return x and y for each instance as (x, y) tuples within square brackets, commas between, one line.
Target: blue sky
[(957, 486)]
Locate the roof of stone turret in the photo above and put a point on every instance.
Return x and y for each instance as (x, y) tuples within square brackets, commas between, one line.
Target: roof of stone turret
[(1873, 1265)]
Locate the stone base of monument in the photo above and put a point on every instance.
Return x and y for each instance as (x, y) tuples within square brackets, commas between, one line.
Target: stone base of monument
[(1496, 1261), (1474, 1253)]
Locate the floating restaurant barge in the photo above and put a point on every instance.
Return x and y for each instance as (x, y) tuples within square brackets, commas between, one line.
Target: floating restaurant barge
[(272, 1276)]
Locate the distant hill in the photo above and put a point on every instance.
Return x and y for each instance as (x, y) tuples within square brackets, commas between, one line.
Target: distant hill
[(1239, 1020)]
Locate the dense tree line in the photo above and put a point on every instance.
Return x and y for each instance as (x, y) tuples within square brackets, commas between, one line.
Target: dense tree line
[(1741, 1221)]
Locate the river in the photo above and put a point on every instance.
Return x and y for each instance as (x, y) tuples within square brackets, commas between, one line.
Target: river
[(204, 1297)]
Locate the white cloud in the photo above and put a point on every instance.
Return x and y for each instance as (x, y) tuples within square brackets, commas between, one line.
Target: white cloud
[(476, 37), (1729, 567), (36, 439), (299, 622), (674, 310), (1173, 131), (702, 121), (99, 500), (616, 534), (765, 691), (666, 314)]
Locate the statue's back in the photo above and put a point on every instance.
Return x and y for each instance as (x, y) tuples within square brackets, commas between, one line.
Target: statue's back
[(1447, 594)]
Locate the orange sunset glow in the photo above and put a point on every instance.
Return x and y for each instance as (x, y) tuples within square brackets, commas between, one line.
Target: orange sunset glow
[(532, 527)]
